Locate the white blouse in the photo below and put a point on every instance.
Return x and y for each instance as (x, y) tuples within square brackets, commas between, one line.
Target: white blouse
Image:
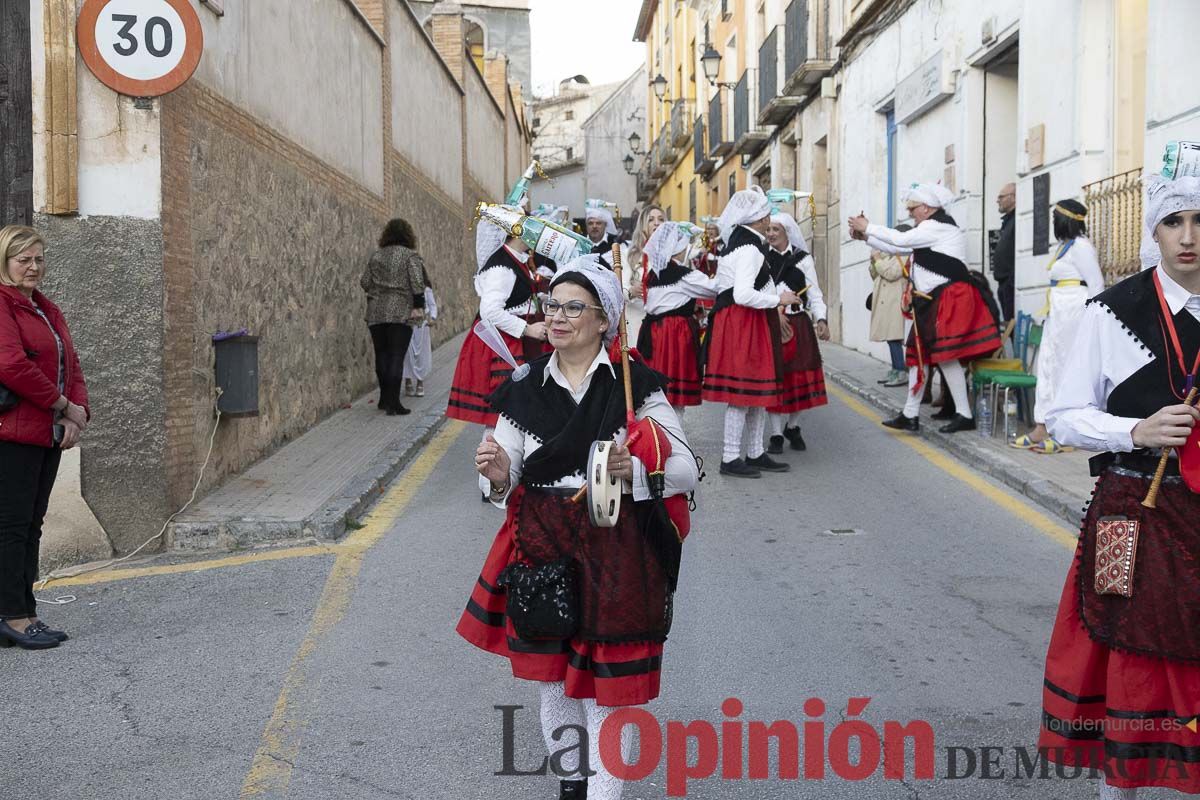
[(940, 236), (681, 472), (739, 270), (816, 298), (494, 287), (695, 285), (1103, 356)]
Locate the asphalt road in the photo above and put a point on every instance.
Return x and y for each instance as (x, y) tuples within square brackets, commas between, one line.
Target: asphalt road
[(869, 571)]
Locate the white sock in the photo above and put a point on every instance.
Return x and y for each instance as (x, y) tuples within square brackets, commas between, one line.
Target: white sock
[(912, 403), (956, 382), (777, 424), (756, 428), (735, 426), (1115, 793), (603, 785), (559, 710), (794, 419)]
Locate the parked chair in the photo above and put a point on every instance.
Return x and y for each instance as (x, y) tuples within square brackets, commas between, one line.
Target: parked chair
[(1028, 341)]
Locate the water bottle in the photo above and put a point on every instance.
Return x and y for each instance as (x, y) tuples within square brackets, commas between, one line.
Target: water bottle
[(983, 415)]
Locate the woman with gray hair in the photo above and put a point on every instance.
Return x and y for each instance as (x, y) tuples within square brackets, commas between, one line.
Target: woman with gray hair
[(43, 411), (602, 645)]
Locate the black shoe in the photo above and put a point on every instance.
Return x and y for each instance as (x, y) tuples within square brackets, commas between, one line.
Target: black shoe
[(45, 629), (775, 445), (960, 423), (31, 639), (793, 435), (738, 469), (572, 790), (766, 464), (903, 423), (398, 411), (947, 412)]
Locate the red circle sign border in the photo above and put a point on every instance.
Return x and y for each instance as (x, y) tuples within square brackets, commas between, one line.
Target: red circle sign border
[(85, 35)]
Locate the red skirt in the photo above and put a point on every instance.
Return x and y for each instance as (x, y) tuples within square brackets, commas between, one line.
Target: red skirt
[(1112, 709), (479, 373), (955, 325), (676, 354), (803, 376), (742, 367), (615, 674)]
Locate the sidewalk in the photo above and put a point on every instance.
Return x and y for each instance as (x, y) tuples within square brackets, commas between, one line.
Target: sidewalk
[(1059, 483), (320, 484)]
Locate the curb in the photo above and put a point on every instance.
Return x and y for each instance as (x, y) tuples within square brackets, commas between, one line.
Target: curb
[(1049, 495), (331, 520)]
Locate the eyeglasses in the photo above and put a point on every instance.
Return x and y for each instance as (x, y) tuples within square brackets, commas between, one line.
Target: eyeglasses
[(571, 309), (24, 262)]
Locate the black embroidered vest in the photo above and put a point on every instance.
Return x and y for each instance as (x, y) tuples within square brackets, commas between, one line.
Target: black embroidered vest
[(523, 286)]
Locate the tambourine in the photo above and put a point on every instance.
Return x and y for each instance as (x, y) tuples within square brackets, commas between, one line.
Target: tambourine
[(603, 489)]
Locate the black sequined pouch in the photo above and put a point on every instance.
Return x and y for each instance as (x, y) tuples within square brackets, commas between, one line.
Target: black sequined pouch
[(543, 602)]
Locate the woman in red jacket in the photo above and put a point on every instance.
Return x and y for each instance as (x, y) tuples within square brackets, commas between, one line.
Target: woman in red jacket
[(43, 411)]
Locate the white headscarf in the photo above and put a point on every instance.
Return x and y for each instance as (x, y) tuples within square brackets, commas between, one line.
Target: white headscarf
[(550, 212), (604, 284), (1165, 197), (667, 241), (746, 206), (610, 227), (933, 195), (794, 234), (488, 239)]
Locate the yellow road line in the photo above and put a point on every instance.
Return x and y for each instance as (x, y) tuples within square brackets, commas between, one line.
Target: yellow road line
[(271, 771), (367, 535), (1039, 521)]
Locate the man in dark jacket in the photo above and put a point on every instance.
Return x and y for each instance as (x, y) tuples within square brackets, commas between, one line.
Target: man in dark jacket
[(1005, 255)]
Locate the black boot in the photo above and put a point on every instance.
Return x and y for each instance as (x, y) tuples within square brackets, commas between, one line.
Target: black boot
[(738, 469), (903, 423), (572, 790), (775, 445), (793, 436), (960, 423), (767, 464)]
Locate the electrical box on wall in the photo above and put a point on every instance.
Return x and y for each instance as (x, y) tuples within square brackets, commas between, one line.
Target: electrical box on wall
[(237, 374)]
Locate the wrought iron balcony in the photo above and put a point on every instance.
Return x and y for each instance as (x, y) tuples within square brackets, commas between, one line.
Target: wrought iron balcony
[(807, 53), (703, 163), (748, 137), (1115, 223), (681, 118), (773, 106), (719, 144)]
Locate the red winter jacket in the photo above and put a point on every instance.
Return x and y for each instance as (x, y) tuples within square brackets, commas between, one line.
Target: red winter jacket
[(29, 367)]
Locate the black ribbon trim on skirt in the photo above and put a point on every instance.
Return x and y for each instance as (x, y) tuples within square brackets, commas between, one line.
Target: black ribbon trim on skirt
[(1074, 698), (1069, 729), (1158, 751), (493, 619), (615, 669)]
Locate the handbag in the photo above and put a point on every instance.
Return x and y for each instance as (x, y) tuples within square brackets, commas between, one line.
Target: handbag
[(8, 399), (870, 300), (543, 602)]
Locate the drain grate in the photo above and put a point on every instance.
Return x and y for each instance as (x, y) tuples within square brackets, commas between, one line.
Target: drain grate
[(843, 532)]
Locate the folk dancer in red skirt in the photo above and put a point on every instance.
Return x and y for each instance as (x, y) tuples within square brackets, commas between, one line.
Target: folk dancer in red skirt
[(743, 364), (803, 378), (952, 320), (669, 339), (1122, 685), (507, 297), (624, 576)]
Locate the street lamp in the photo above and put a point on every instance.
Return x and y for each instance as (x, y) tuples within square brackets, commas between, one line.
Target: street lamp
[(711, 62), (628, 162), (635, 143), (660, 86)]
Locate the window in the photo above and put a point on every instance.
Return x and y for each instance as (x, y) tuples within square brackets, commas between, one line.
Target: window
[(725, 9), (570, 153), (537, 121), (732, 184), (891, 167), (570, 114)]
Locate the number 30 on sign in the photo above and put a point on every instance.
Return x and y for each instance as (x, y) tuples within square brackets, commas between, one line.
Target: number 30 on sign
[(141, 48)]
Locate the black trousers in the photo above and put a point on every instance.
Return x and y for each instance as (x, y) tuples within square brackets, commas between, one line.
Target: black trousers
[(27, 474), (391, 344), (1006, 295)]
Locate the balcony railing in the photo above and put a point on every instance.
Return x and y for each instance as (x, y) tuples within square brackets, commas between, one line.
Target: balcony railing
[(748, 137), (681, 119), (807, 56), (701, 147), (773, 107), (719, 144), (658, 165), (1115, 223)]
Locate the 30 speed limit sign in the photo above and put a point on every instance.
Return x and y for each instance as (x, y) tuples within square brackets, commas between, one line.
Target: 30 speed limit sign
[(142, 48)]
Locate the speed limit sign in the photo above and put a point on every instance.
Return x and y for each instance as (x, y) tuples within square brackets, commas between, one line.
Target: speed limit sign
[(141, 48)]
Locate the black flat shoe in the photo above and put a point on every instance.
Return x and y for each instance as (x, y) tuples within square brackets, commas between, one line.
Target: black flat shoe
[(793, 436), (960, 423), (31, 639), (45, 629), (398, 411), (903, 423), (946, 413), (738, 469), (767, 464), (572, 790), (775, 445)]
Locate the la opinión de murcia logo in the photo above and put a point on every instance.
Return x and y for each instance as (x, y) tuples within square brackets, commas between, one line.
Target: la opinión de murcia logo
[(852, 750)]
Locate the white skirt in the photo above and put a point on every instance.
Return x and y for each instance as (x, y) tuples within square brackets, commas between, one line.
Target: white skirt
[(1062, 325)]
